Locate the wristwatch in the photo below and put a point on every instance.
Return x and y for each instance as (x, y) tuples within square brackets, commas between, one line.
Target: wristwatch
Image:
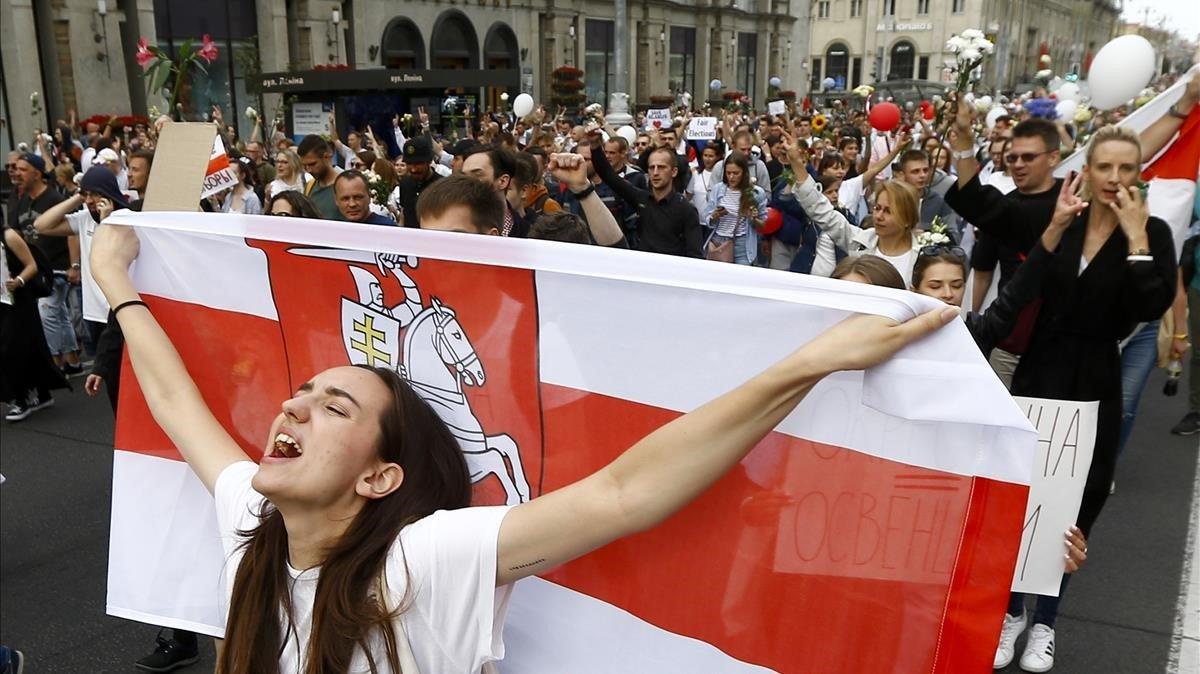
[(584, 194), (1176, 114), (75, 265), (962, 154)]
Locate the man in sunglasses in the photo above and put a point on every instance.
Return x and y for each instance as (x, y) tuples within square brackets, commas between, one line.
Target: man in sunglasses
[(1031, 158)]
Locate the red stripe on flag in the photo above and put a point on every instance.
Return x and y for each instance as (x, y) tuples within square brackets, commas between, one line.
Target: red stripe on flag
[(971, 628), (1182, 159), (244, 386), (798, 548)]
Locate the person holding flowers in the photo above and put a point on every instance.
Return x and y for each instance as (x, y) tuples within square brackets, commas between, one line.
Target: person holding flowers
[(735, 212)]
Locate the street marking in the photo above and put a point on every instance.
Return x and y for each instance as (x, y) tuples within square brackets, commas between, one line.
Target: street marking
[(1184, 656)]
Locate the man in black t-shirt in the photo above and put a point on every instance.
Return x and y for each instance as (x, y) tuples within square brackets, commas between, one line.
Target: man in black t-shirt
[(62, 253), (418, 154)]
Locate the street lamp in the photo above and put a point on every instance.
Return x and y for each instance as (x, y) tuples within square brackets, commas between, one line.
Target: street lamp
[(337, 38), (102, 12), (618, 101)]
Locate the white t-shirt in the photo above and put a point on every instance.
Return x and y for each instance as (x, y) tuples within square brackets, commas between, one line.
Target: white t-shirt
[(95, 307), (1001, 182), (279, 186), (903, 263), (455, 617), (850, 197)]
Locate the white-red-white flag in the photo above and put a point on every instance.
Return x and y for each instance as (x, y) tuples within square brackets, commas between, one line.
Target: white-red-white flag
[(220, 174), (876, 529)]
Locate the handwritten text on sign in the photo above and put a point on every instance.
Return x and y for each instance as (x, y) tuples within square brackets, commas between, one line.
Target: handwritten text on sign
[(658, 118), (776, 108), (1066, 438), (702, 128)]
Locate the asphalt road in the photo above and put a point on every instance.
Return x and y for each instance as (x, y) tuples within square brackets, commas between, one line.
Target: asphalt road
[(1119, 615)]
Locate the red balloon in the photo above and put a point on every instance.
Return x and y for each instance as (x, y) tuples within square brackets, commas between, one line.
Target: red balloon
[(927, 110), (884, 116), (774, 221)]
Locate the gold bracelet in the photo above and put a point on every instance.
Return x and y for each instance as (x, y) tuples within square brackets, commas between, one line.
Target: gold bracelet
[(1183, 336)]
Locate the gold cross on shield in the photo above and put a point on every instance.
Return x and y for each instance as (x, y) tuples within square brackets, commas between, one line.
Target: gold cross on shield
[(367, 346)]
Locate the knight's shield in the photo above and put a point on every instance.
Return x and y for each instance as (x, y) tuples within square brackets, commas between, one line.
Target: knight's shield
[(371, 338)]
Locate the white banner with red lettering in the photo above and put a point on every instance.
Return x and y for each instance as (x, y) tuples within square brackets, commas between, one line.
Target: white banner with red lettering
[(876, 529), (220, 174)]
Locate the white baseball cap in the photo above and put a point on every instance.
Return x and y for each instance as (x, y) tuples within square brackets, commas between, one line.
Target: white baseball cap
[(107, 155)]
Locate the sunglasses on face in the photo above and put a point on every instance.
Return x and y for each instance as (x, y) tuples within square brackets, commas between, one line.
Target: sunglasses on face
[(1024, 158)]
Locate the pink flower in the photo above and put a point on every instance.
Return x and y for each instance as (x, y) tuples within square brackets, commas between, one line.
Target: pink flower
[(207, 50), (144, 56)]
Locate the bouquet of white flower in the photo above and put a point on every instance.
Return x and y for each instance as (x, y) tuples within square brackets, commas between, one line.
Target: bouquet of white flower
[(938, 234), (380, 189), (969, 47), (251, 113)]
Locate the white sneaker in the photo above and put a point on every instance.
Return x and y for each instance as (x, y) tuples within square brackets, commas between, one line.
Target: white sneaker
[(1013, 627), (1039, 650)]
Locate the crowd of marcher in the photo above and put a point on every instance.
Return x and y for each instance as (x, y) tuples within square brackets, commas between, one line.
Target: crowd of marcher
[(1083, 278)]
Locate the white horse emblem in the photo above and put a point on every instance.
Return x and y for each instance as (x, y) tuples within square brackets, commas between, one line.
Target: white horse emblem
[(438, 361)]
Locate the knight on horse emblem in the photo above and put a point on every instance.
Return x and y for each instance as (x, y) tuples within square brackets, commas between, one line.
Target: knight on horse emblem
[(437, 359)]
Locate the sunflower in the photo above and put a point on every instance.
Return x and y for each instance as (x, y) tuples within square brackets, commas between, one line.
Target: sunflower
[(818, 122)]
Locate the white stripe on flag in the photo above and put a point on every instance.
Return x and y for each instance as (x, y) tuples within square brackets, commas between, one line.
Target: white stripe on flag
[(599, 638), (213, 270), (675, 349), (161, 512), (1171, 200)]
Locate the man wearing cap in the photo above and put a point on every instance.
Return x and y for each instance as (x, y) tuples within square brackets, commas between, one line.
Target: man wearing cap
[(67, 218), (37, 197), (459, 152), (418, 153), (109, 158)]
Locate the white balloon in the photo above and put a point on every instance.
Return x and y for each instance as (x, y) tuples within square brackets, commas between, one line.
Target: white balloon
[(1055, 84), (522, 105), (1066, 109), (985, 101), (775, 82), (628, 133), (1069, 91), (994, 114), (715, 85), (1120, 70)]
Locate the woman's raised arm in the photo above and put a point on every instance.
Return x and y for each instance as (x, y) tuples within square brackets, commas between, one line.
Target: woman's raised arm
[(170, 392), (676, 463)]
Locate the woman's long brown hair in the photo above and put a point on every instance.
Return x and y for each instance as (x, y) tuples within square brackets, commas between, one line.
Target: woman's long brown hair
[(349, 598), (747, 207)]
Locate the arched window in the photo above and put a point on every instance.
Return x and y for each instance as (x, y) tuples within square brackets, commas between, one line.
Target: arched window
[(402, 45), (903, 56), (454, 44), (837, 64), (499, 53), (500, 48)]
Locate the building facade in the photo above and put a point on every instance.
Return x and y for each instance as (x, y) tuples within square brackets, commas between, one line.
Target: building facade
[(78, 54), (857, 42)]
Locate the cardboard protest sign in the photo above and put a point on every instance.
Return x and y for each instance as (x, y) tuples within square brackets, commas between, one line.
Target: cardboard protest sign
[(658, 118), (776, 108), (702, 128), (180, 169), (1066, 439)]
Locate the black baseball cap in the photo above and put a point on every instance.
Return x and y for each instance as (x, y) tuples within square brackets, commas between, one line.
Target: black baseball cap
[(418, 150), (462, 147)]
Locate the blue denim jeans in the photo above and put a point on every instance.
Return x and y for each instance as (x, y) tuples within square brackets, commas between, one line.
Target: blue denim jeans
[(1137, 362), (5, 658), (56, 318), (1045, 611)]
